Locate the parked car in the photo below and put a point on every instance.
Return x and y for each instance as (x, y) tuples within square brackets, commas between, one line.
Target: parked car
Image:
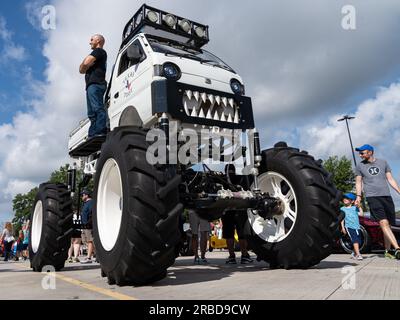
[(371, 236)]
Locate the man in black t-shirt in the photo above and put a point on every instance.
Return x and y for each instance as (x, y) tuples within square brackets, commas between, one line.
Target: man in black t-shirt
[(94, 67)]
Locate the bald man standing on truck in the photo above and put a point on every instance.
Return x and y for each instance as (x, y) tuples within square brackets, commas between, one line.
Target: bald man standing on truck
[(94, 68)]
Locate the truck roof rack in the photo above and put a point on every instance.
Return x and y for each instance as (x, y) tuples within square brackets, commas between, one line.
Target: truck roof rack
[(160, 23)]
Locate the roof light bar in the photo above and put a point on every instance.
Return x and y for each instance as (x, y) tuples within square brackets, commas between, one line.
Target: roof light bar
[(152, 21)]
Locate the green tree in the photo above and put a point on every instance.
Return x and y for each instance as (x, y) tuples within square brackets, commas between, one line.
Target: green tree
[(60, 175), (22, 204), (342, 172)]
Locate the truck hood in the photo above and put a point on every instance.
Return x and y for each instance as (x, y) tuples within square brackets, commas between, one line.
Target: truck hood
[(196, 73)]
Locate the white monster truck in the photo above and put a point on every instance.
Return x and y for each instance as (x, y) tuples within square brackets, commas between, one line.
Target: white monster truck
[(162, 84)]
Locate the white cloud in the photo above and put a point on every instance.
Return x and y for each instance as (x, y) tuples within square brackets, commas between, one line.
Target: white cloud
[(377, 122), (15, 187), (296, 61), (14, 52), (11, 51)]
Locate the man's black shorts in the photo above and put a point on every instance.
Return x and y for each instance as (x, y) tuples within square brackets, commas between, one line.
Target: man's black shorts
[(230, 221), (382, 208)]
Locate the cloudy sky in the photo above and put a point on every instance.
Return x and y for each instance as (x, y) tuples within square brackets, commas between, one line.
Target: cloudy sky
[(302, 69)]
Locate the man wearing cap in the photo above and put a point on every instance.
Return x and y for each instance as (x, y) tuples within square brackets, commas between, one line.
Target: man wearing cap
[(373, 175), (86, 217)]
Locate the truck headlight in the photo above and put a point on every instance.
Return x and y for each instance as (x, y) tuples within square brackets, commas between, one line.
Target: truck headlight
[(171, 71), (237, 87)]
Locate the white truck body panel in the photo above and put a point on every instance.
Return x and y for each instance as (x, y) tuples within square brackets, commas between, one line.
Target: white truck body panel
[(132, 87)]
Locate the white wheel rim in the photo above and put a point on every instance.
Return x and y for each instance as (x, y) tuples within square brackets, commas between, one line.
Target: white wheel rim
[(109, 204), (37, 224), (276, 229)]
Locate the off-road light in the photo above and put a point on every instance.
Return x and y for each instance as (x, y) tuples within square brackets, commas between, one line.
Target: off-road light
[(171, 71), (185, 25), (169, 20), (200, 32), (152, 16), (237, 87)]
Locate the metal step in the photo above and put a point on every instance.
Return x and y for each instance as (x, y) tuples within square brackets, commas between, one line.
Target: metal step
[(88, 147)]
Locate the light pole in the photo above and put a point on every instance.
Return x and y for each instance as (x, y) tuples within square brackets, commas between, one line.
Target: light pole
[(347, 118)]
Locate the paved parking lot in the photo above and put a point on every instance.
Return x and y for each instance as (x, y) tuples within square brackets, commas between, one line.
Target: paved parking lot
[(337, 277)]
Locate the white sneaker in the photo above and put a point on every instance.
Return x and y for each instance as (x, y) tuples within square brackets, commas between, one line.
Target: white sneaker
[(359, 257), (353, 256), (86, 261)]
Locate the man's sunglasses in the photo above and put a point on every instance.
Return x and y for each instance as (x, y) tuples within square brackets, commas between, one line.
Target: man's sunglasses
[(363, 153)]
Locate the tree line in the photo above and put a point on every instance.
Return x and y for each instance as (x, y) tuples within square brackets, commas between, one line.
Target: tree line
[(340, 169), (23, 203)]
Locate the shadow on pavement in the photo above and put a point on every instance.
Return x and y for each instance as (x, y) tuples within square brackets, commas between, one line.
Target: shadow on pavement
[(333, 265), (81, 267), (185, 272)]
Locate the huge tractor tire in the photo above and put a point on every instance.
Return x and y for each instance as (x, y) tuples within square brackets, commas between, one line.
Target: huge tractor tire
[(51, 227), (305, 230), (136, 211)]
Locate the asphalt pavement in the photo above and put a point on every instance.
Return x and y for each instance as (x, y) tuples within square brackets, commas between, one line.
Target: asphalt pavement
[(337, 277)]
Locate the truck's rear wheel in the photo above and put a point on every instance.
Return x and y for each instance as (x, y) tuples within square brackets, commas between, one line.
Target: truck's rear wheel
[(304, 232), (136, 211), (51, 227)]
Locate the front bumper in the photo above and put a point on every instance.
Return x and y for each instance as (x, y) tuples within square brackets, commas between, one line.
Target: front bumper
[(202, 106)]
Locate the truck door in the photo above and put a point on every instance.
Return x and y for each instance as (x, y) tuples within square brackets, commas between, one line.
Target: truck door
[(127, 84)]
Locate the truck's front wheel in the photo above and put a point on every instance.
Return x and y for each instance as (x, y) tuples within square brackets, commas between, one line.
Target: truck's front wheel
[(304, 231), (136, 211)]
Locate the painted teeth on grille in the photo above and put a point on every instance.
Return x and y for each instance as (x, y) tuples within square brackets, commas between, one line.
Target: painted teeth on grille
[(203, 105)]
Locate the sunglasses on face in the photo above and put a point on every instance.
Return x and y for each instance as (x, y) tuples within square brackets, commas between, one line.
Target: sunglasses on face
[(363, 153)]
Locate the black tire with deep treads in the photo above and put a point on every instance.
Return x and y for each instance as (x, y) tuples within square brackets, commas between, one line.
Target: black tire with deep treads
[(149, 230), (57, 227), (316, 228)]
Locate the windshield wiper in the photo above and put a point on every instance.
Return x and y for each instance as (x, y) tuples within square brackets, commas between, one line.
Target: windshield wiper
[(201, 60), (183, 55)]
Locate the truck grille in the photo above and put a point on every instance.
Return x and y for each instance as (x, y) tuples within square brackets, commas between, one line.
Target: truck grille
[(208, 106)]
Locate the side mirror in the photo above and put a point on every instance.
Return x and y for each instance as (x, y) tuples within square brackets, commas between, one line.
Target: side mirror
[(133, 53)]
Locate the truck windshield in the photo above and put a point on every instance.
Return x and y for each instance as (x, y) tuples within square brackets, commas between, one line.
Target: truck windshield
[(176, 49)]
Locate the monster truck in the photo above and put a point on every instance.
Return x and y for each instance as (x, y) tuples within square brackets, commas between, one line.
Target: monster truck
[(165, 91)]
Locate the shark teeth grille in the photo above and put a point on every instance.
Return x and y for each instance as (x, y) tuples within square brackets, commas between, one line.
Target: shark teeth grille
[(202, 105)]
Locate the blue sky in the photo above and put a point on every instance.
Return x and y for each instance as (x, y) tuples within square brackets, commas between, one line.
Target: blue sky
[(13, 96), (300, 67)]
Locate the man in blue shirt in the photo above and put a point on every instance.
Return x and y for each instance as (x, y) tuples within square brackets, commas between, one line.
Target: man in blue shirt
[(86, 217)]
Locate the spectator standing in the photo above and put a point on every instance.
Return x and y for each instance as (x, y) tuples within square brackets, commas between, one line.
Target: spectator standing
[(373, 176), (232, 220), (351, 223), (87, 232), (8, 239), (76, 240), (197, 225), (235, 219), (19, 244), (25, 243)]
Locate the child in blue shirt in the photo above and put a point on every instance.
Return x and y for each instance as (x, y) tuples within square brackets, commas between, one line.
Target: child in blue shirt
[(351, 223)]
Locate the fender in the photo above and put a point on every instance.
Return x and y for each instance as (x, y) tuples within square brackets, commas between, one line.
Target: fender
[(130, 117)]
